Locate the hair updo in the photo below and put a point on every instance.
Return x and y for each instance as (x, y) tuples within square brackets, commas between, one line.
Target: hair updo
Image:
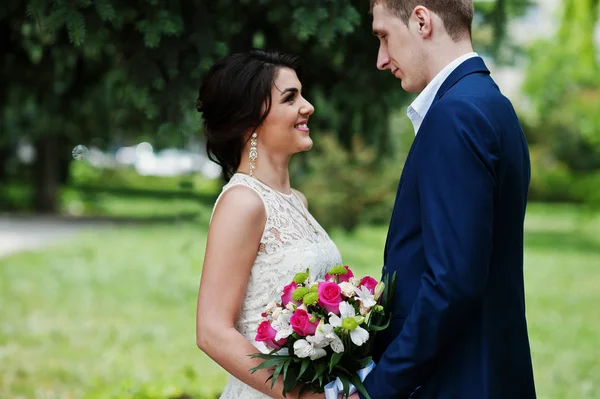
[(235, 98)]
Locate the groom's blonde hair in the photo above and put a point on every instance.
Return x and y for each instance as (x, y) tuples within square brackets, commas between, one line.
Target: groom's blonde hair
[(457, 15)]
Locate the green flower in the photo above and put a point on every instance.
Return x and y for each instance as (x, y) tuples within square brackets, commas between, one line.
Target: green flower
[(349, 324), (311, 298), (299, 293), (301, 277), (337, 270)]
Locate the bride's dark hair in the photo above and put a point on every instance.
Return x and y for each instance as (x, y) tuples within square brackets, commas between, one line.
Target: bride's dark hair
[(235, 98)]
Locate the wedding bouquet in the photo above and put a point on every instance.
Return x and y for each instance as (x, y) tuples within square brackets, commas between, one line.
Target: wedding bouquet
[(321, 330)]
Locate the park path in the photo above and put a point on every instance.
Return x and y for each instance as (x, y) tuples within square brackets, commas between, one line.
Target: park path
[(25, 233)]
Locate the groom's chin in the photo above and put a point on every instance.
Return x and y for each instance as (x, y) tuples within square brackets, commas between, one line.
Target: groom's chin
[(409, 87)]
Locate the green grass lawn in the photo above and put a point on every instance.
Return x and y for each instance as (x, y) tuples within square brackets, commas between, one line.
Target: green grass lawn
[(110, 314)]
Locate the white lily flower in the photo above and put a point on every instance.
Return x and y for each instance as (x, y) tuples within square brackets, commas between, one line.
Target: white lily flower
[(276, 313), (271, 307), (334, 341), (282, 325), (283, 331), (318, 339), (347, 310), (358, 335), (365, 297), (303, 349), (347, 289)]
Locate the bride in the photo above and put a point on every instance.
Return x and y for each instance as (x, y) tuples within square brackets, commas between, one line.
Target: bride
[(261, 233)]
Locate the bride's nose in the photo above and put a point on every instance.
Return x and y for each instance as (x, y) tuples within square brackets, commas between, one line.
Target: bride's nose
[(307, 108)]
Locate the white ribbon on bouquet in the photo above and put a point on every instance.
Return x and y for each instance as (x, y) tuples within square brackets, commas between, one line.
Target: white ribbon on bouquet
[(335, 388)]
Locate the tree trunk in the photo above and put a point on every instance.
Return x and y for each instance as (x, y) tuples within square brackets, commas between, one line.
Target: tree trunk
[(64, 166), (4, 155), (46, 176)]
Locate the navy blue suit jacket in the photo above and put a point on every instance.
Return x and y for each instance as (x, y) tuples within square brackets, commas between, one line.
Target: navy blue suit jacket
[(455, 241)]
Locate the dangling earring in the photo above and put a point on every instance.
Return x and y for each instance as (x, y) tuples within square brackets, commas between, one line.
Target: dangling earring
[(253, 153)]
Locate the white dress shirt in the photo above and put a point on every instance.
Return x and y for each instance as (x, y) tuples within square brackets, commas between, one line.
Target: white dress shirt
[(418, 109)]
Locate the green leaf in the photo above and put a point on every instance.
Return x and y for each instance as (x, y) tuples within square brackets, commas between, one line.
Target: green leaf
[(57, 18), (291, 380), (105, 10), (36, 7), (285, 369), (320, 368), (335, 359), (304, 367), (359, 385), (381, 328), (345, 385), (268, 364), (260, 356), (277, 372), (365, 362), (76, 28)]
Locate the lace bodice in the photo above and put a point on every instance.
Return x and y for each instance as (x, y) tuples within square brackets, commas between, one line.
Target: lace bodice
[(292, 241)]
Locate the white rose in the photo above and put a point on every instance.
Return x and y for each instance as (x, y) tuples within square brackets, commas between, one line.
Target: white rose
[(355, 281), (347, 289)]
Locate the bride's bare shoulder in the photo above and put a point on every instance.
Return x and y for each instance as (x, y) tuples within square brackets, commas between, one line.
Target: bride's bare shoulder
[(240, 204)]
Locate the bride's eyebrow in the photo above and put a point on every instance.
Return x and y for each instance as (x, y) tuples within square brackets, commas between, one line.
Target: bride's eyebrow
[(289, 90)]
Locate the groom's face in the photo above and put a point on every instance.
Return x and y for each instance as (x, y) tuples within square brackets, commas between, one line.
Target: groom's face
[(399, 49)]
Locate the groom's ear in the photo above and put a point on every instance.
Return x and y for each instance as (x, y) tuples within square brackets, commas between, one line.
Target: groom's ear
[(424, 21)]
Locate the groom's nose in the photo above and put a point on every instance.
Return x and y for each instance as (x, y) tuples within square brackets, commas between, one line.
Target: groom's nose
[(383, 59)]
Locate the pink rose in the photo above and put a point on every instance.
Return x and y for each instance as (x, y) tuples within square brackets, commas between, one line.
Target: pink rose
[(288, 290), (369, 282), (341, 277), (266, 333), (301, 323), (330, 296)]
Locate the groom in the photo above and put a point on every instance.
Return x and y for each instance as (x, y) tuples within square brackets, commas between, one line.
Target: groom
[(456, 234)]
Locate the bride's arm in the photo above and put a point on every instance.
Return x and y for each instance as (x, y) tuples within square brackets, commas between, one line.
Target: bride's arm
[(233, 239)]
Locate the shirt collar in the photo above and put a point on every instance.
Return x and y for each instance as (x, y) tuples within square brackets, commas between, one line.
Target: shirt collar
[(418, 109)]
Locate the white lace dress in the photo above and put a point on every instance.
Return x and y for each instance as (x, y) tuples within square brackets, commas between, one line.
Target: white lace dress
[(291, 242)]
